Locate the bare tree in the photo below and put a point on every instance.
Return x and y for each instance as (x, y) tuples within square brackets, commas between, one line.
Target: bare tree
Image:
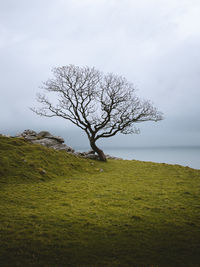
[(101, 105)]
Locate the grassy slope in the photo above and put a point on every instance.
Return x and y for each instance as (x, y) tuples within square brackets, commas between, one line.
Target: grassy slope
[(130, 214)]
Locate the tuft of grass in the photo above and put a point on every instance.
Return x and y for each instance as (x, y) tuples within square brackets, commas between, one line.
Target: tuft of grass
[(60, 210)]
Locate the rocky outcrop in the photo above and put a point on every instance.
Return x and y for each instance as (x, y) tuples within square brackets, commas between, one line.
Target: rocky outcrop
[(46, 139), (56, 142), (89, 155), (92, 155)]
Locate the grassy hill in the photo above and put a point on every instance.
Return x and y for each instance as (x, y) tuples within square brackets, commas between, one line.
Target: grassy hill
[(60, 210)]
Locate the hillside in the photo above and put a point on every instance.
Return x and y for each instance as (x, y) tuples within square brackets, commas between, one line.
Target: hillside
[(57, 209)]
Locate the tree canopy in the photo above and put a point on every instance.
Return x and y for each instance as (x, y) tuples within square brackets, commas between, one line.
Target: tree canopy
[(100, 104)]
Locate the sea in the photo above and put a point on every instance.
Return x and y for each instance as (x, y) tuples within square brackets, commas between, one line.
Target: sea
[(181, 155)]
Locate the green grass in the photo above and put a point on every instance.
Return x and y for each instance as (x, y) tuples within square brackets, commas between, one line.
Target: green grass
[(60, 210)]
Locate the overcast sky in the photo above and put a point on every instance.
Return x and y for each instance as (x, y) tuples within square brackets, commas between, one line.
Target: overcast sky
[(153, 43)]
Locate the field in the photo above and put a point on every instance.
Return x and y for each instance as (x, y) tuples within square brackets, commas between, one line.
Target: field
[(60, 210)]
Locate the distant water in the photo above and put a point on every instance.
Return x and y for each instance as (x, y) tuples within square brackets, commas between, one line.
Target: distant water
[(186, 156)]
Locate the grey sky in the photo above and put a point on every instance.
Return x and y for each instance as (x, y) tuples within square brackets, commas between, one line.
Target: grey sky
[(153, 43)]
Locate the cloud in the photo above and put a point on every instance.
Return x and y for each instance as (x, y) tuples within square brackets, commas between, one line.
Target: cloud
[(154, 44)]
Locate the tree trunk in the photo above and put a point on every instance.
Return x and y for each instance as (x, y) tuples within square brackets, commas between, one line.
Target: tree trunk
[(100, 153)]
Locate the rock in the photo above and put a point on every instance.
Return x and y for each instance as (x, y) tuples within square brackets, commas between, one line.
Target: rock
[(44, 134), (30, 137), (53, 143), (45, 142), (28, 133), (63, 147), (57, 138), (90, 152), (91, 156), (46, 139), (42, 171)]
